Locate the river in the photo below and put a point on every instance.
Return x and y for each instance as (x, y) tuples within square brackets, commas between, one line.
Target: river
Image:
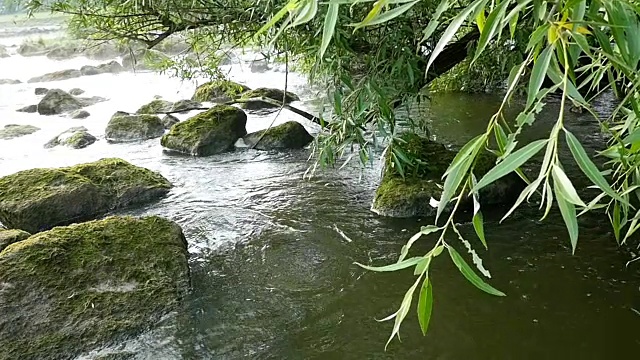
[(274, 279)]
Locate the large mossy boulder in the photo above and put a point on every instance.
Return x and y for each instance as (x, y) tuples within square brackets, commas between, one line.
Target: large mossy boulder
[(56, 76), (276, 95), (8, 237), (39, 199), (413, 195), (211, 132), (71, 290), (12, 131), (57, 102), (75, 138), (219, 91), (127, 128), (290, 135), (157, 106)]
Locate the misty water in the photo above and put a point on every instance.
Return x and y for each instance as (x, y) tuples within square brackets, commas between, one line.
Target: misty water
[(273, 278)]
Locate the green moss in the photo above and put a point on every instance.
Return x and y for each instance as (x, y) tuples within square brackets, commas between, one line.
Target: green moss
[(38, 199), (72, 289), (133, 127), (214, 130), (219, 90), (157, 106), (8, 237), (290, 135)]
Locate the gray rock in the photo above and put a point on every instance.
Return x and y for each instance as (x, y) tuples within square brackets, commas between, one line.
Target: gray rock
[(185, 105), (3, 52), (128, 128), (290, 135), (9, 82), (143, 59), (63, 52), (74, 289), (57, 102), (79, 114), (211, 132), (32, 49), (75, 91), (56, 76), (41, 91), (276, 95), (8, 237), (12, 131), (29, 109), (75, 137), (112, 67), (89, 70), (39, 199), (169, 120), (157, 106)]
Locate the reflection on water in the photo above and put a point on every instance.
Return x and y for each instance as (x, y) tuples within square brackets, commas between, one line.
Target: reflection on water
[(273, 279)]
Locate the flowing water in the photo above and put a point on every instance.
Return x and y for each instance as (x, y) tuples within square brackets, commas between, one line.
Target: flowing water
[(272, 276)]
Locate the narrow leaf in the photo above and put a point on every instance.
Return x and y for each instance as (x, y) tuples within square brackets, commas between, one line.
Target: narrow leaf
[(510, 163), (425, 305), (565, 185), (329, 27), (538, 74), (568, 211), (393, 267), (470, 275)]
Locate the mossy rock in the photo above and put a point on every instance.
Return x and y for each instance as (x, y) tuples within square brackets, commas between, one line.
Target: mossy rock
[(39, 199), (57, 102), (41, 91), (211, 132), (56, 76), (219, 91), (74, 289), (8, 237), (128, 128), (75, 138), (290, 135), (12, 131), (274, 94), (411, 196), (157, 106)]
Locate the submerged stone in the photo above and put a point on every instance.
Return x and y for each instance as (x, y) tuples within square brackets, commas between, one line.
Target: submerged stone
[(185, 105), (211, 132), (79, 114), (75, 91), (29, 109), (125, 128), (8, 237), (39, 199), (290, 135), (219, 91), (157, 106), (413, 195), (169, 120), (12, 131), (57, 102), (40, 91), (74, 289), (276, 95), (76, 138), (56, 76)]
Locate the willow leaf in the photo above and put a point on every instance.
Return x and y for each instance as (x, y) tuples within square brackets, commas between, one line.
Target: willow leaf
[(510, 163), (425, 305), (568, 211), (329, 29), (470, 275)]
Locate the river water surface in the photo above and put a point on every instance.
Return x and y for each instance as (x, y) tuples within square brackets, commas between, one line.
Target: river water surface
[(274, 279)]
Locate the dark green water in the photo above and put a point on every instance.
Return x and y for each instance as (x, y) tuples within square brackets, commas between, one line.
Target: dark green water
[(273, 279)]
